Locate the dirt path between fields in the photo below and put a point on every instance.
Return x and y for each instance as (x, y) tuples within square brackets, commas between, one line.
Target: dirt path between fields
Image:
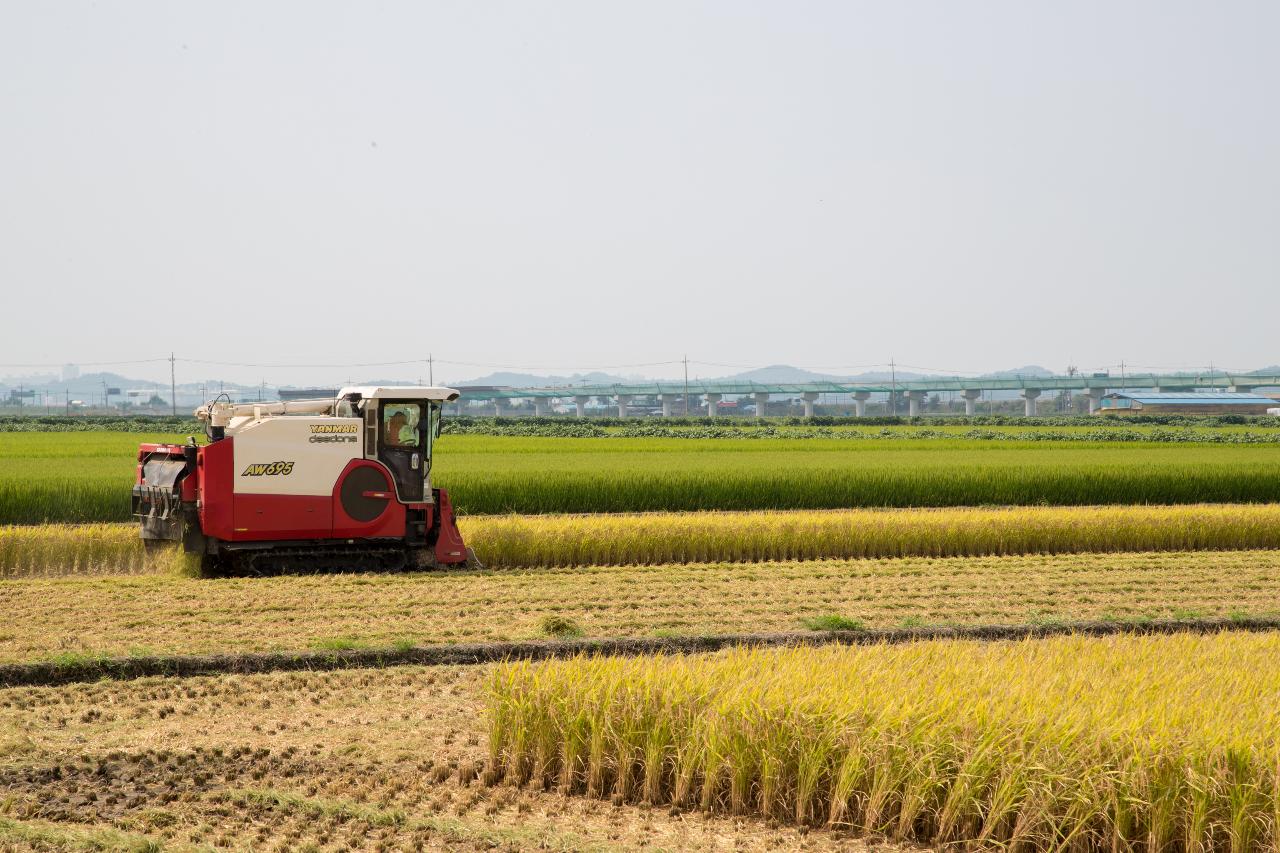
[(48, 673)]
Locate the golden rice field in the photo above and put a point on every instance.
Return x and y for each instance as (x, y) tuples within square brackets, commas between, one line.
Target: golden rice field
[(1121, 743), (169, 614), (518, 541)]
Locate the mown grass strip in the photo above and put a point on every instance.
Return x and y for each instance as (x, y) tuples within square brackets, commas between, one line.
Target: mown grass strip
[(513, 541), (1073, 742), (92, 668)]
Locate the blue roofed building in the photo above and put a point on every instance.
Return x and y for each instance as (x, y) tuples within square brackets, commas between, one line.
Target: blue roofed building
[(1186, 403)]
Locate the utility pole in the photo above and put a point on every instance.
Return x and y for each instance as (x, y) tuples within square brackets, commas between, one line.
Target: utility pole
[(173, 385), (686, 385), (893, 379), (431, 370)]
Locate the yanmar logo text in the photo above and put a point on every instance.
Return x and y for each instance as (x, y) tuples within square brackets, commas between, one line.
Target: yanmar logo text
[(268, 469), (333, 434)]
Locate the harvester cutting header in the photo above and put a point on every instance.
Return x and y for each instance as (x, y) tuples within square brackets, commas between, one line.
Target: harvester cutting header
[(305, 484)]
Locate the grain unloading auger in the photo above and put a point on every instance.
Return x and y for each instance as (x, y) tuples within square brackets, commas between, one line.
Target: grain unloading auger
[(305, 485)]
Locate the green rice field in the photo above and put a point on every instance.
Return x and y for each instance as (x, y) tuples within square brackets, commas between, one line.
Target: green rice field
[(82, 477)]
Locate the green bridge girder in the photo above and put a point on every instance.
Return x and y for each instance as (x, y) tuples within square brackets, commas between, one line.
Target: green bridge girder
[(1165, 381)]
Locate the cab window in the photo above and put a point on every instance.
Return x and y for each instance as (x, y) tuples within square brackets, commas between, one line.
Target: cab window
[(400, 424)]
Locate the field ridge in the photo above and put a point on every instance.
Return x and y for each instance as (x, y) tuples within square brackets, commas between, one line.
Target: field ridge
[(85, 668)]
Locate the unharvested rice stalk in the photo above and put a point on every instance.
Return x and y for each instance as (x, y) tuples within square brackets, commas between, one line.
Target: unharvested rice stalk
[(84, 549), (1120, 743), (517, 541), (658, 538)]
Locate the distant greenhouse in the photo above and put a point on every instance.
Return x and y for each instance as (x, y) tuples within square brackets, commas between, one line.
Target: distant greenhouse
[(1187, 403)]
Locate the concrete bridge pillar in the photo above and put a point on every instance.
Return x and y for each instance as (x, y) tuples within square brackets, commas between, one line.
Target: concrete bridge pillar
[(971, 397), (541, 407), (580, 403), (497, 407), (1030, 395), (762, 403), (624, 400), (809, 398), (712, 400), (1241, 389), (914, 399), (1095, 399), (860, 399), (668, 404)]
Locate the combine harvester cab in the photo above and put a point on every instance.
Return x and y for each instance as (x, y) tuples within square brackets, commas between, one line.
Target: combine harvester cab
[(305, 485)]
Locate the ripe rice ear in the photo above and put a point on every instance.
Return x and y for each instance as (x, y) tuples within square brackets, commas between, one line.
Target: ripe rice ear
[(1066, 743)]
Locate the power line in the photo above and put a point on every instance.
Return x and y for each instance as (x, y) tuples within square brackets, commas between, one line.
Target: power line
[(294, 365), (86, 363), (419, 361), (558, 367)]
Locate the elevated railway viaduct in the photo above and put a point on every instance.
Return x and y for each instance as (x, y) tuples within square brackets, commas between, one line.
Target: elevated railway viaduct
[(1030, 388)]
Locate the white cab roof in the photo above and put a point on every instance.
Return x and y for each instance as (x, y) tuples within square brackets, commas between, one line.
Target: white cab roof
[(401, 392)]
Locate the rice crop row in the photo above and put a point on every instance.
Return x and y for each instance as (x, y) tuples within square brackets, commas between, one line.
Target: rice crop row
[(657, 538), (1153, 743), (704, 480), (86, 477), (526, 541), (168, 614), (83, 549)]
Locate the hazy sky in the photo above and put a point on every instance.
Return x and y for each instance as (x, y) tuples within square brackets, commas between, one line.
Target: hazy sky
[(966, 186)]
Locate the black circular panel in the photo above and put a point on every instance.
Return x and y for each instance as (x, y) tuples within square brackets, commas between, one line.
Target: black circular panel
[(364, 479)]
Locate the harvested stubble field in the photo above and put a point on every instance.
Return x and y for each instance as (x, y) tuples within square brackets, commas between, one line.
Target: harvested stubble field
[(528, 541), (354, 760), (85, 477), (1168, 743), (69, 618)]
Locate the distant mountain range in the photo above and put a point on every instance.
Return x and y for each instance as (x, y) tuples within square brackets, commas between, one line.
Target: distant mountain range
[(90, 385), (783, 373), (507, 379), (772, 375)]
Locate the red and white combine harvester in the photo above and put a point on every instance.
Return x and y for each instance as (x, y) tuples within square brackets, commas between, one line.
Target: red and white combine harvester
[(305, 485)]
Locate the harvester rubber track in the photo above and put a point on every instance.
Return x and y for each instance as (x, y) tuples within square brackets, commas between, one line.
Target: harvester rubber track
[(307, 560)]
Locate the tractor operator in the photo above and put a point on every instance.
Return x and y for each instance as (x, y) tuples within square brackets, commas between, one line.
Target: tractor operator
[(396, 425)]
